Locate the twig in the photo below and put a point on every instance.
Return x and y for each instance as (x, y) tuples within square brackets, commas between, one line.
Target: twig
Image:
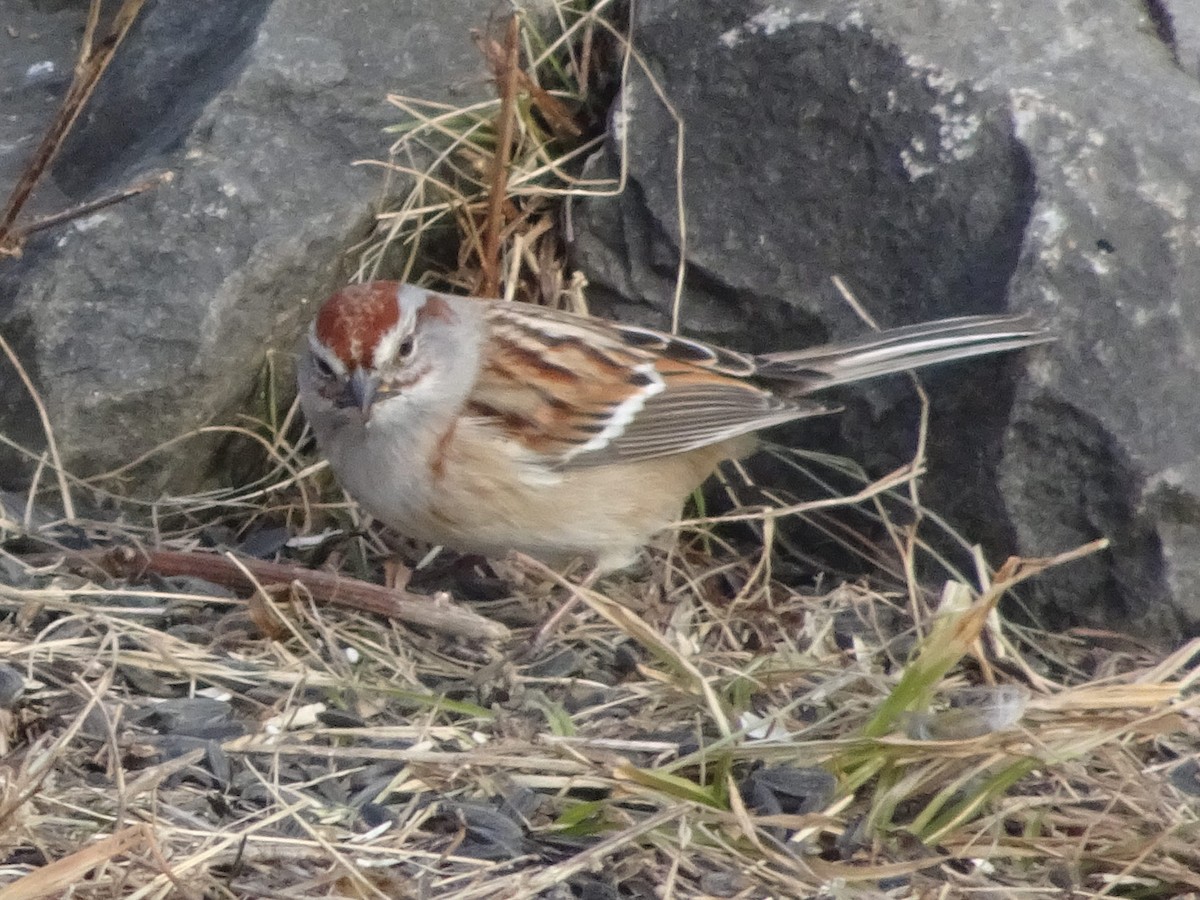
[(83, 209), (69, 871), (506, 79), (435, 613), (44, 418), (556, 113), (94, 58), (906, 542)]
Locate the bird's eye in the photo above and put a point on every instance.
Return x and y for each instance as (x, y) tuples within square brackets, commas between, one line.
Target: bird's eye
[(406, 347), (324, 369)]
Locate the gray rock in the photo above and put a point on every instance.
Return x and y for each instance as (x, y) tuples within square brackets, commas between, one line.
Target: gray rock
[(154, 316), (948, 158), (1181, 20), (943, 157), (12, 686)]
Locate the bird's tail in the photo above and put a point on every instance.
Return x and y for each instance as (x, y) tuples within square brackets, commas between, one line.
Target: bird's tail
[(901, 349)]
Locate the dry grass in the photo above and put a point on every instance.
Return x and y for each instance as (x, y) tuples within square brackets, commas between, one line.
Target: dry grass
[(703, 728), (667, 739)]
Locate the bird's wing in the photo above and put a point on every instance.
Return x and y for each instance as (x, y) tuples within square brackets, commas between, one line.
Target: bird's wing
[(575, 391)]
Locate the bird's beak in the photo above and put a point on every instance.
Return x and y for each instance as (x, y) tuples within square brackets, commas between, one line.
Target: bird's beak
[(361, 390)]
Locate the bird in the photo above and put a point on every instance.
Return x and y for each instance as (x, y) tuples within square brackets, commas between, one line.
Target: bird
[(489, 426)]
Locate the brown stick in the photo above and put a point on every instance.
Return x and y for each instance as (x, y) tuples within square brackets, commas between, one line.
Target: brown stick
[(94, 58), (86, 209), (435, 613), (506, 80), (556, 113)]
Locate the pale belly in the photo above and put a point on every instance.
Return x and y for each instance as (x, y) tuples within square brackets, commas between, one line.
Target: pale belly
[(479, 498)]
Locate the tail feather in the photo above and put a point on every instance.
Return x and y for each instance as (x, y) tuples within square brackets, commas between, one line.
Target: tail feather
[(901, 349)]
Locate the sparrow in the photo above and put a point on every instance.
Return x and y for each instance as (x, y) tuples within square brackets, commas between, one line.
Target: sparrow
[(489, 426)]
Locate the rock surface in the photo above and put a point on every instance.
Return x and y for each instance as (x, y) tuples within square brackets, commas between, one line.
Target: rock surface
[(1178, 21), (944, 158), (154, 316)]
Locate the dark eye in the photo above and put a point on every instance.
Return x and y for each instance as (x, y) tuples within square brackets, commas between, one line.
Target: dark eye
[(406, 348), (324, 369)]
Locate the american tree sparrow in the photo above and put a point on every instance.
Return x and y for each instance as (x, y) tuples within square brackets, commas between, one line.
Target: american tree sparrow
[(489, 426)]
